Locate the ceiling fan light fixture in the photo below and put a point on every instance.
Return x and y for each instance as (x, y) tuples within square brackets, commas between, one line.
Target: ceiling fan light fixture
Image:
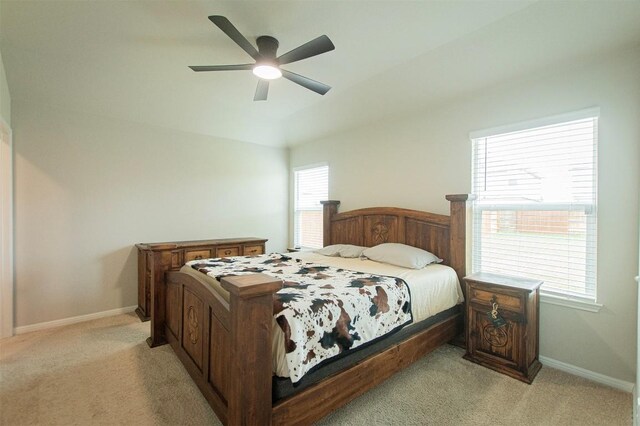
[(267, 72), (267, 62)]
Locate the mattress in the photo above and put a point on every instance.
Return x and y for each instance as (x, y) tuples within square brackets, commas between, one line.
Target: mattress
[(434, 289)]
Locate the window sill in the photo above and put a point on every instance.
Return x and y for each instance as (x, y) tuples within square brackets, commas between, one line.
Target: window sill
[(298, 249), (583, 305)]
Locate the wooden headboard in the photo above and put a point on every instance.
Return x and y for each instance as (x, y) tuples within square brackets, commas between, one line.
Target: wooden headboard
[(442, 235)]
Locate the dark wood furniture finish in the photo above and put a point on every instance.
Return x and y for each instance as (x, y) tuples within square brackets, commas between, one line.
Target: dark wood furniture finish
[(226, 346), (442, 235), (511, 348), (154, 259)]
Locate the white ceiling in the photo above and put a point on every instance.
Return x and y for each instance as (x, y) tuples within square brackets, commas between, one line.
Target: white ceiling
[(129, 59)]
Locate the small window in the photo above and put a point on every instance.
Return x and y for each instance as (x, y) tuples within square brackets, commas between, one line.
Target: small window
[(311, 185), (535, 210)]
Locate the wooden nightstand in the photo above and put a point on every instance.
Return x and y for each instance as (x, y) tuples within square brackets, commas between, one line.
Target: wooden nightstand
[(507, 343)]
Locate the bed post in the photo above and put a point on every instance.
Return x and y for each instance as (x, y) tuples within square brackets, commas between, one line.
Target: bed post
[(158, 298), (329, 208), (251, 309), (458, 237)]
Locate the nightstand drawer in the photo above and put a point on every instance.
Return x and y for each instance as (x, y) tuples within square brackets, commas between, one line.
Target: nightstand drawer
[(196, 255), (228, 251), (504, 301)]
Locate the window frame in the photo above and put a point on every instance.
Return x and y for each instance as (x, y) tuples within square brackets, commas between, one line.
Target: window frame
[(583, 302), (295, 198)]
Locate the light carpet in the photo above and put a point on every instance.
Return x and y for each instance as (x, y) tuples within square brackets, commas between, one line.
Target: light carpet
[(102, 372)]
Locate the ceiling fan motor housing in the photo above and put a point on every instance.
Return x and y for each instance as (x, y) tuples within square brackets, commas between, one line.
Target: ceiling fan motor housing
[(267, 46)]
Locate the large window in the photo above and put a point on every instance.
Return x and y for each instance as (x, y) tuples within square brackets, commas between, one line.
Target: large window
[(535, 208), (310, 187)]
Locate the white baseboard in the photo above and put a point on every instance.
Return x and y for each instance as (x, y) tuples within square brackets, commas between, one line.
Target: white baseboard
[(588, 374), (73, 320)]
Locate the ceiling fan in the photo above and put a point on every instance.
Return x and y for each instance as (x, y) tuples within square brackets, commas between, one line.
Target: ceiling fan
[(267, 65)]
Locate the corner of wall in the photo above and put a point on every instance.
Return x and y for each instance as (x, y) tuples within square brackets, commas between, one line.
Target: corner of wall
[(5, 97)]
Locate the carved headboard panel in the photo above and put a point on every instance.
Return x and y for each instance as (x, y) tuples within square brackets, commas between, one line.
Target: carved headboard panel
[(442, 235)]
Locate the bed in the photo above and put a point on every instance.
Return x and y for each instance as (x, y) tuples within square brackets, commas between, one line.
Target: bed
[(224, 338)]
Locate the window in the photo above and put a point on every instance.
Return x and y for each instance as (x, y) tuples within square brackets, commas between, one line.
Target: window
[(535, 208), (310, 187)]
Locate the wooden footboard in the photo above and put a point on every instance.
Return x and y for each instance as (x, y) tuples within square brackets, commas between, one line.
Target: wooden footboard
[(225, 347)]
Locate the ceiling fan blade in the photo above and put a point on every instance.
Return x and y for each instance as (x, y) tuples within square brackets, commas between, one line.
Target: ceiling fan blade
[(228, 28), (262, 90), (199, 68), (315, 47), (316, 86)]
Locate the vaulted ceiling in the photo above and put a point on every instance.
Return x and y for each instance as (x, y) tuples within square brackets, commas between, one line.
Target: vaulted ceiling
[(128, 60)]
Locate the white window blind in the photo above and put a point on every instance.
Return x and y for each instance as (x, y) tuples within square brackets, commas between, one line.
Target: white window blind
[(311, 187), (535, 208)]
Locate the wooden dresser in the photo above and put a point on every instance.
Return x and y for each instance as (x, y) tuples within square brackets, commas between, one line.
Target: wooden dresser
[(154, 259), (502, 326)]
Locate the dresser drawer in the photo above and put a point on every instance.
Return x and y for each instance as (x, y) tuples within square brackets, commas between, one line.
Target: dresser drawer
[(504, 301), (253, 250), (228, 251), (196, 255), (154, 259)]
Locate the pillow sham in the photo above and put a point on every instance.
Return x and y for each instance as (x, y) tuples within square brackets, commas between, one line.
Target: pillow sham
[(401, 255), (341, 250)]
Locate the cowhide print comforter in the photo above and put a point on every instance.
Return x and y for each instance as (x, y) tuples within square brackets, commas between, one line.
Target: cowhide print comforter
[(323, 311)]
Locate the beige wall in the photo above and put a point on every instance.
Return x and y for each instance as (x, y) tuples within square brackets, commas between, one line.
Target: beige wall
[(6, 208), (88, 188), (5, 98), (415, 160)]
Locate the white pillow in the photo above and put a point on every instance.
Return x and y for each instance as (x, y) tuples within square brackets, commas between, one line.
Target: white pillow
[(341, 250), (401, 255)]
